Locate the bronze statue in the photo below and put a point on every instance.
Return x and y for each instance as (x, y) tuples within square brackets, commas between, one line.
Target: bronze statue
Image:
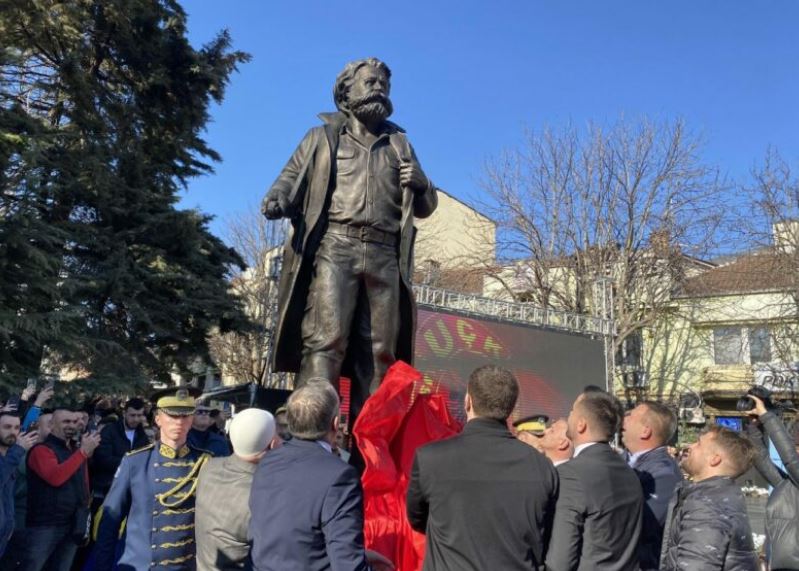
[(351, 189)]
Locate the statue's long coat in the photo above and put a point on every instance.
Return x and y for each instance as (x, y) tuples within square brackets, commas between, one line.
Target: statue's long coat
[(305, 184)]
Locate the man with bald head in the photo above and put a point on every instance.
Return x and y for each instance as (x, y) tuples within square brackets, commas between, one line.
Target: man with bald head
[(58, 487), (555, 444), (648, 428)]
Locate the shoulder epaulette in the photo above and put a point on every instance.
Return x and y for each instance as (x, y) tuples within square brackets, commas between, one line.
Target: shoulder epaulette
[(150, 446)]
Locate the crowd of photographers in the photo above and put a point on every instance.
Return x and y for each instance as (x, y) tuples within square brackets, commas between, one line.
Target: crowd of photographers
[(690, 515)]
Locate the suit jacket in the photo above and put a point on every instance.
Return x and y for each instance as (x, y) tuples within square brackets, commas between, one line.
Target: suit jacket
[(598, 514), (306, 182), (484, 499), (114, 444), (307, 511), (223, 514), (659, 475)]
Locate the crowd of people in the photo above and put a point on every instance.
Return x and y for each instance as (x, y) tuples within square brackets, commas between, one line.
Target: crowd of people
[(172, 483)]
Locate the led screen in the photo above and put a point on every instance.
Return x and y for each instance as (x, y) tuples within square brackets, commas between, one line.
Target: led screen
[(552, 367)]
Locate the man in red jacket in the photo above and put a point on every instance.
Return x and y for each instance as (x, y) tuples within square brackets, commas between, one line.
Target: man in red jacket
[(58, 486)]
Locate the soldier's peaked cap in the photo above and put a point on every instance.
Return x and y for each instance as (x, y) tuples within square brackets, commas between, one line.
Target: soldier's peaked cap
[(536, 424), (176, 401)]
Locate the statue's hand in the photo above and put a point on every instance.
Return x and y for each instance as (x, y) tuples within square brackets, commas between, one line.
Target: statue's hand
[(272, 208), (411, 176)]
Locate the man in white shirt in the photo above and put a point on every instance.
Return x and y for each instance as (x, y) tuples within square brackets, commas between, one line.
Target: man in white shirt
[(598, 513)]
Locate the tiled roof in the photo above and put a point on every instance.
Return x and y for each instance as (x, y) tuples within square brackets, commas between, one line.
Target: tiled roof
[(746, 274), (462, 280)]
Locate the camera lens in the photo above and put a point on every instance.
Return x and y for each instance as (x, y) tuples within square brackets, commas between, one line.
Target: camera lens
[(745, 404)]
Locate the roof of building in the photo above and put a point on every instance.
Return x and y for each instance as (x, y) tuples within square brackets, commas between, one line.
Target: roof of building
[(467, 205), (749, 273), (462, 280)]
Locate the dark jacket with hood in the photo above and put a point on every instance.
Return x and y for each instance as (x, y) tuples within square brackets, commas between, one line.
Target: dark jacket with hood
[(782, 509), (304, 186), (707, 527)]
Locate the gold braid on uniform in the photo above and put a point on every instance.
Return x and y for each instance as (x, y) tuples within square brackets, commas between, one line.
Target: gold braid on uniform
[(189, 479)]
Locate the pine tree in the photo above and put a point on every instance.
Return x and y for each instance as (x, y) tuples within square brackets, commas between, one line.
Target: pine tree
[(102, 108)]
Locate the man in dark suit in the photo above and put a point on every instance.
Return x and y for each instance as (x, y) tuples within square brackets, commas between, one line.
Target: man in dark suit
[(484, 499), (598, 514), (648, 428), (116, 440), (306, 503)]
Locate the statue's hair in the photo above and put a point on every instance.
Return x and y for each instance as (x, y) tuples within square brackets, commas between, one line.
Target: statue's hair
[(341, 89)]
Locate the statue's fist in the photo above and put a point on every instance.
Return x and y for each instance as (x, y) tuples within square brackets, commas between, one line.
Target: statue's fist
[(411, 176), (272, 209)]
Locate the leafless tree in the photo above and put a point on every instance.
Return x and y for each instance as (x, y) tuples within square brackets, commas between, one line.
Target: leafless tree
[(244, 355), (633, 205), (771, 224)]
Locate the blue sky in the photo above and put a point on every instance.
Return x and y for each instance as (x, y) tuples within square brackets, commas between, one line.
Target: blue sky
[(469, 77)]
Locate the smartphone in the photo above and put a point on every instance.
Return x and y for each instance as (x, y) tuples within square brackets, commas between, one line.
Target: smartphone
[(50, 384), (13, 402), (31, 385)]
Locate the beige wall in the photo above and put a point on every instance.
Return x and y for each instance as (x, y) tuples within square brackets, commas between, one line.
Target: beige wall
[(678, 350), (455, 235)]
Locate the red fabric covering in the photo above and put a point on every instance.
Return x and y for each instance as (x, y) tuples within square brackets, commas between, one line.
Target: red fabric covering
[(394, 422)]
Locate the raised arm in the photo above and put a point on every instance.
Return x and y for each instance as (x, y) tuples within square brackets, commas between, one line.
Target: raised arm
[(784, 445), (762, 462)]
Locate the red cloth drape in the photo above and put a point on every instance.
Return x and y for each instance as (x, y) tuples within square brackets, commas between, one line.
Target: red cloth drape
[(394, 422)]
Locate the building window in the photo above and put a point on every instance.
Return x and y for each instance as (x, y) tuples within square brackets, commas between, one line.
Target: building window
[(741, 345), (630, 351), (759, 345), (728, 346)]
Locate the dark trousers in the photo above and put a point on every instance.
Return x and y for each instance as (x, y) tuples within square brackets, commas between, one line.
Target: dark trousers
[(352, 311), (49, 548), (15, 550)]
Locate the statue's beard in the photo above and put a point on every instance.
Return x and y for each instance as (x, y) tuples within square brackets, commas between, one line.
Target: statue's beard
[(372, 108)]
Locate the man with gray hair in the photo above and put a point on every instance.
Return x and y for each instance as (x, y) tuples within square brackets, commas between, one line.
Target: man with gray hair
[(306, 503)]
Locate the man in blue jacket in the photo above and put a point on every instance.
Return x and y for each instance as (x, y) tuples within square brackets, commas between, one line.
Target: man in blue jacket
[(201, 436), (13, 447), (648, 428), (306, 503)]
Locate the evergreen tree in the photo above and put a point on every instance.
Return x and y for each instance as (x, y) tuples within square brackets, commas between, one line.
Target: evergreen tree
[(102, 108)]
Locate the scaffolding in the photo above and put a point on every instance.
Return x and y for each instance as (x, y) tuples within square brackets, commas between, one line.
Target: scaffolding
[(513, 312)]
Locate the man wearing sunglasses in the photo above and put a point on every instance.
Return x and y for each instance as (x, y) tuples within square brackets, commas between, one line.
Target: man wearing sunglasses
[(200, 435)]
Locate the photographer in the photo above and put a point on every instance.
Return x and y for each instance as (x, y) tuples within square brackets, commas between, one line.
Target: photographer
[(782, 509)]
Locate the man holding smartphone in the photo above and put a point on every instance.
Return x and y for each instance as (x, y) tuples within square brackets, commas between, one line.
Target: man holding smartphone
[(13, 446), (58, 487)]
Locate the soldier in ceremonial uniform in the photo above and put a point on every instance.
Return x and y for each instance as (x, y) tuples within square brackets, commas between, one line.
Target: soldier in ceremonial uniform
[(150, 507)]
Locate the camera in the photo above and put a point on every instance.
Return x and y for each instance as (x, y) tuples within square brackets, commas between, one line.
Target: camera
[(746, 404)]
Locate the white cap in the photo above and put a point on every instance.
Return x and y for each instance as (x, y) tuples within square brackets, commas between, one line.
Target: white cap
[(251, 431)]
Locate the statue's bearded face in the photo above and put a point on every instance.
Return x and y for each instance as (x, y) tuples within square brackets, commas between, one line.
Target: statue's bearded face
[(368, 96)]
